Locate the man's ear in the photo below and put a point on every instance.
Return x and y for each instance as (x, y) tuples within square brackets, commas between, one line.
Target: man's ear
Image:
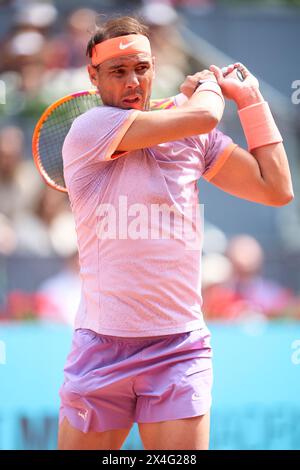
[(93, 74)]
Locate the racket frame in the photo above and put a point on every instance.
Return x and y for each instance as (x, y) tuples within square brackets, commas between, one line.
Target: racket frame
[(37, 130)]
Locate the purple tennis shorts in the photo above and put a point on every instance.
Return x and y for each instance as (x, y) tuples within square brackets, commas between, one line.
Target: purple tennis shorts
[(112, 382)]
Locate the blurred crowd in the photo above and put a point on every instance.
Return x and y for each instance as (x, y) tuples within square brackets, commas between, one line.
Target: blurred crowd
[(43, 53), (42, 59), (234, 285)]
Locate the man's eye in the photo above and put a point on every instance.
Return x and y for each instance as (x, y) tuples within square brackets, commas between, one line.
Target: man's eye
[(118, 72), (142, 69)]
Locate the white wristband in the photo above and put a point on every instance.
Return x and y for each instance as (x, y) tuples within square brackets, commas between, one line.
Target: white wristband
[(210, 85)]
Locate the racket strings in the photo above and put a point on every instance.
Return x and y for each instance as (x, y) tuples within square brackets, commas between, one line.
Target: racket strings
[(55, 126), (54, 130)]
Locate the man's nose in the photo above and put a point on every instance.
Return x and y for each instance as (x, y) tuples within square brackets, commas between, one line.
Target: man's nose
[(132, 80)]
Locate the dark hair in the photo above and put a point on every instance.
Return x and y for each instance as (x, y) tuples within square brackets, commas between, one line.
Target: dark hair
[(115, 27)]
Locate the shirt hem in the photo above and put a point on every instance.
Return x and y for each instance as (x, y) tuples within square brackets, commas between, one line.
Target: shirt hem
[(192, 326)]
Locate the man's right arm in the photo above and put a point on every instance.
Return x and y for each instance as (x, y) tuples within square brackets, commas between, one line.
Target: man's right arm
[(199, 115)]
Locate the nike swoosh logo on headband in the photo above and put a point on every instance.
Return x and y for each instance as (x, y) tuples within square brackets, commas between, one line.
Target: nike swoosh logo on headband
[(125, 46)]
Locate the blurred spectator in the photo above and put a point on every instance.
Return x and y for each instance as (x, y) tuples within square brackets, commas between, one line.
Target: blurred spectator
[(30, 27), (64, 56), (234, 287), (11, 154), (67, 49), (219, 301), (48, 229), (8, 238), (15, 173), (39, 66), (22, 57), (215, 240), (247, 258), (62, 293)]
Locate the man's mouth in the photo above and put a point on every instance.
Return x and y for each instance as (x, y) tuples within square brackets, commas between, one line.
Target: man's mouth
[(130, 100)]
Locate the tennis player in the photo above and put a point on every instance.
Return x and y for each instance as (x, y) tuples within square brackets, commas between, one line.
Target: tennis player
[(141, 350)]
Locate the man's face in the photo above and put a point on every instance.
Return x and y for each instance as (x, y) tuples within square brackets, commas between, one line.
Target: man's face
[(125, 82)]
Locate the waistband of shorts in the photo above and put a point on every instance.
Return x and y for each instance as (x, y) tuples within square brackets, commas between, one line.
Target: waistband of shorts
[(134, 339)]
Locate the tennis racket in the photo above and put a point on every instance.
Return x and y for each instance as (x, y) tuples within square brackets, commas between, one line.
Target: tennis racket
[(53, 127)]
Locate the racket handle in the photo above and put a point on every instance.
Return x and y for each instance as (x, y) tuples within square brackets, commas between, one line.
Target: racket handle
[(238, 72), (240, 75)]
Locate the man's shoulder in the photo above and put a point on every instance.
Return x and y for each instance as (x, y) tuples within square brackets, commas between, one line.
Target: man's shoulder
[(105, 114), (92, 114)]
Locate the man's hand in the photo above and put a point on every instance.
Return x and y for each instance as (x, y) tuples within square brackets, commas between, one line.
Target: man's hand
[(244, 93), (191, 81)]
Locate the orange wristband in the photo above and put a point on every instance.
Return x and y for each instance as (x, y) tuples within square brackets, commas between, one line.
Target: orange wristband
[(259, 125)]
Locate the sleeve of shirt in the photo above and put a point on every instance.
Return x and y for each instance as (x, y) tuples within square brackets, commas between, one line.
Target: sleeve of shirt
[(96, 134), (219, 149)]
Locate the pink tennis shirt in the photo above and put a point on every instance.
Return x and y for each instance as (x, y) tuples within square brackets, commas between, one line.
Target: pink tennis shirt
[(140, 270)]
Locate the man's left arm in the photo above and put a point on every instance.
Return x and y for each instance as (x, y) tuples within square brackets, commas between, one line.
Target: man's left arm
[(261, 174)]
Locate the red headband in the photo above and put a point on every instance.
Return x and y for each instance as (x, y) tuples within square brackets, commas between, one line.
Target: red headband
[(120, 46)]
